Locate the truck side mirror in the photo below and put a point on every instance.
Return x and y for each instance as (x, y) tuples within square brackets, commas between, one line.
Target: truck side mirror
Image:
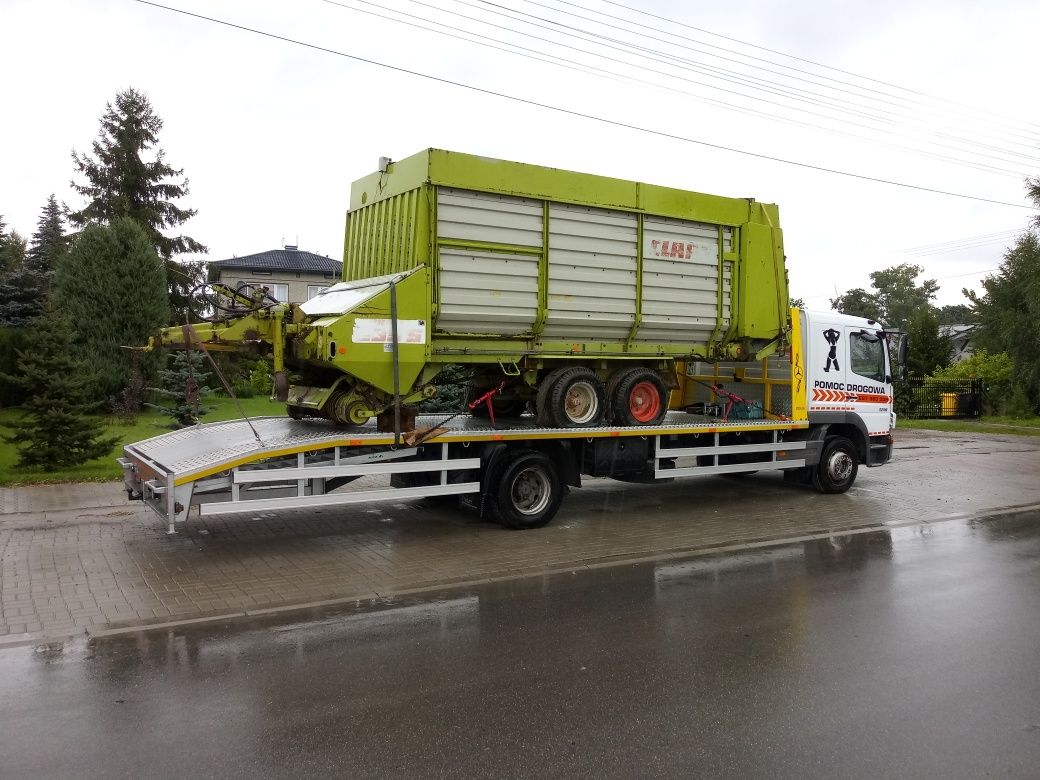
[(903, 346)]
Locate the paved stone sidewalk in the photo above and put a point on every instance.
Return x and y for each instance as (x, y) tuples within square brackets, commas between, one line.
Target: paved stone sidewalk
[(80, 558)]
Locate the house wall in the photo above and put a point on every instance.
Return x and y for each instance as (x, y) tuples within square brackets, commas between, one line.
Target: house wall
[(297, 282)]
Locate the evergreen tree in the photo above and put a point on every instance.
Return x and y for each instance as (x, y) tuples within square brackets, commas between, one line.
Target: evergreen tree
[(929, 350), (112, 286), (49, 242), (56, 431), (4, 238), (22, 294), (183, 382), (121, 182), (12, 249), (1008, 312)]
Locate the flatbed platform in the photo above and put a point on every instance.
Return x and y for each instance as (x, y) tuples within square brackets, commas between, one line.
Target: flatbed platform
[(278, 462), (203, 450)]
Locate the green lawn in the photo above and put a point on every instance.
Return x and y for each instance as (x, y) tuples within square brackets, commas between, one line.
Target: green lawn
[(150, 423), (1027, 426)]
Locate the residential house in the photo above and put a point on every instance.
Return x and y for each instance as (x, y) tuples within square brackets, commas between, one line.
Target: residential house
[(960, 337), (288, 273)]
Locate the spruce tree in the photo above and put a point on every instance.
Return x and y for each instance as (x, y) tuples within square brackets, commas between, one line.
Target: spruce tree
[(22, 294), (56, 431), (183, 383), (49, 242), (125, 178), (4, 238), (112, 286)]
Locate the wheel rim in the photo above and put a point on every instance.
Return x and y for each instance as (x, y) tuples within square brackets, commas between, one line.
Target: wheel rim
[(530, 491), (644, 402), (839, 466), (581, 403)]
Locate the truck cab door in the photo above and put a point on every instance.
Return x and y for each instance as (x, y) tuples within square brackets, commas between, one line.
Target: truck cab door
[(868, 379)]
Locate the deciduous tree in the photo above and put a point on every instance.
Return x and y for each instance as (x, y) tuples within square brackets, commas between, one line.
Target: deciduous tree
[(897, 296), (1008, 312), (929, 350)]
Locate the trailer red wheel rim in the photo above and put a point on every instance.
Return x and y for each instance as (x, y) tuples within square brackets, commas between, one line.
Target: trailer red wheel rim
[(644, 402)]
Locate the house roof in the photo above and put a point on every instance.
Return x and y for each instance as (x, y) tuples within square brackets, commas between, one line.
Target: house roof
[(288, 259)]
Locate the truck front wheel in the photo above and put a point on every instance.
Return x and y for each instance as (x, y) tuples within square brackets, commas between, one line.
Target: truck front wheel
[(838, 466), (526, 491)]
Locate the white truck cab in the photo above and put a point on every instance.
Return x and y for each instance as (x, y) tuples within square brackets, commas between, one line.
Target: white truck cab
[(849, 376)]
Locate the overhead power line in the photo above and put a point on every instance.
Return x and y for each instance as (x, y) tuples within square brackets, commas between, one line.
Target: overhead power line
[(910, 99), (485, 40), (963, 245), (882, 116), (578, 114), (1034, 127)]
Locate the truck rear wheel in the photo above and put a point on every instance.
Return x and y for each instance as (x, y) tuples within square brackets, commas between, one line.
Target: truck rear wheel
[(526, 490), (838, 466), (639, 397)]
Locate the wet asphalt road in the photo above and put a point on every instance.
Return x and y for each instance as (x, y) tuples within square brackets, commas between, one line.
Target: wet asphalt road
[(911, 653)]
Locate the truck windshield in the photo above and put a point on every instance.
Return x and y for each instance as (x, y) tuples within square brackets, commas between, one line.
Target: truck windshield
[(867, 353)]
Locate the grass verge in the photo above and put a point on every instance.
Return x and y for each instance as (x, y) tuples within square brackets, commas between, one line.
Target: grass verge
[(1027, 426), (149, 423)]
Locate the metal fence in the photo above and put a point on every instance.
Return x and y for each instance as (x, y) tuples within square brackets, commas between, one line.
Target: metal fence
[(925, 398)]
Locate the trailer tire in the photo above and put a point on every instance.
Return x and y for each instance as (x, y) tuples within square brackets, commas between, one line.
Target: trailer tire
[(525, 490), (838, 466), (542, 412), (639, 397), (577, 399)]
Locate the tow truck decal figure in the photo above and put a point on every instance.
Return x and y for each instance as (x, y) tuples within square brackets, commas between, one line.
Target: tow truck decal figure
[(832, 337)]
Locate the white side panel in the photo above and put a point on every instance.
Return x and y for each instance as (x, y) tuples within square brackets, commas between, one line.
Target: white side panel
[(487, 292), (480, 216), (592, 273), (681, 282)]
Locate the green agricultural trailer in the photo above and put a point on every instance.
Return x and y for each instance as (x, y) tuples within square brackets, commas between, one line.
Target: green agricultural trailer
[(569, 294)]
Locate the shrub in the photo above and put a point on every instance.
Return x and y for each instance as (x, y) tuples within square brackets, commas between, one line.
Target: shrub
[(996, 373), (260, 378)]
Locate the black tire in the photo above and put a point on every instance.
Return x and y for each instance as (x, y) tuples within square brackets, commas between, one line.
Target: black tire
[(838, 466), (612, 382), (623, 407), (577, 399), (525, 490), (542, 412)]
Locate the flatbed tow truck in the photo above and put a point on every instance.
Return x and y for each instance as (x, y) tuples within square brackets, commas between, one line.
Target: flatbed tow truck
[(815, 426), (614, 328)]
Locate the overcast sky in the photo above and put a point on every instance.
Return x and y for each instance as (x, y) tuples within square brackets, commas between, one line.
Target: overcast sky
[(271, 134)]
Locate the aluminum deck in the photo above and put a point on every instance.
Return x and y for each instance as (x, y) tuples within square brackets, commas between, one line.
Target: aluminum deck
[(280, 463), (207, 449)]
